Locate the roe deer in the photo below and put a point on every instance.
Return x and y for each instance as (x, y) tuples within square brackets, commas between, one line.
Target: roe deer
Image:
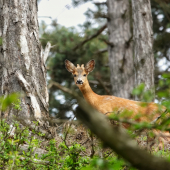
[(107, 104)]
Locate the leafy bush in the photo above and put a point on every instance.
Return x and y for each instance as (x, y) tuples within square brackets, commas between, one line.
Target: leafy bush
[(22, 148)]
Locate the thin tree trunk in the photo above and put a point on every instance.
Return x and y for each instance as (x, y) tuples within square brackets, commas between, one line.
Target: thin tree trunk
[(143, 42), (120, 48), (22, 62)]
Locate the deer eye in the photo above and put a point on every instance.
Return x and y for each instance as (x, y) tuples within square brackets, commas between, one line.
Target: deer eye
[(84, 75), (75, 75)]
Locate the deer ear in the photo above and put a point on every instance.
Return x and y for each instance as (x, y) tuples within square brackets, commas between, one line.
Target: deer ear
[(70, 66), (90, 66)]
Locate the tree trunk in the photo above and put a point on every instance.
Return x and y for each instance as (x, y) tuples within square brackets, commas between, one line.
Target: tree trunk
[(22, 61), (120, 48), (143, 42)]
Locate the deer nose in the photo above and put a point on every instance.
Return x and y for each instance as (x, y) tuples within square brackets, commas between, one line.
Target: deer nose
[(79, 82)]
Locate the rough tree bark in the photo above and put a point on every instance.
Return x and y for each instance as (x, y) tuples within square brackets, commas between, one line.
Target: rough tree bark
[(22, 60), (120, 48), (143, 42)]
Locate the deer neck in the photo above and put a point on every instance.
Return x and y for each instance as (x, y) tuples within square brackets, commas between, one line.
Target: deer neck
[(88, 93)]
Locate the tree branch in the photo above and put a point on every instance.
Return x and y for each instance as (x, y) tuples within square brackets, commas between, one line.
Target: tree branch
[(101, 51), (115, 137), (65, 89), (91, 37), (94, 82), (119, 141), (102, 84), (107, 42), (101, 15), (100, 3)]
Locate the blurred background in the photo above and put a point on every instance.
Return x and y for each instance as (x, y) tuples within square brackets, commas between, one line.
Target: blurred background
[(67, 23)]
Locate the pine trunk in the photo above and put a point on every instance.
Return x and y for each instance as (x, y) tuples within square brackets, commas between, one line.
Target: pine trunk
[(22, 61), (143, 42), (120, 48)]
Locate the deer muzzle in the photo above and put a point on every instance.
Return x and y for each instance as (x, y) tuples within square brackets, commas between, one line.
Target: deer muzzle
[(79, 81)]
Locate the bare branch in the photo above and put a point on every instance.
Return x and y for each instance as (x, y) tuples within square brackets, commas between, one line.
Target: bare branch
[(102, 84), (91, 37), (97, 83), (107, 42), (67, 131), (62, 88), (101, 51), (100, 3), (101, 15)]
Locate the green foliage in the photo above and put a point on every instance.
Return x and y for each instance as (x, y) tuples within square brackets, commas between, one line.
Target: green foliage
[(143, 94), (1, 41), (12, 157), (64, 41), (13, 136), (73, 160), (110, 163), (162, 123), (59, 158), (9, 100), (17, 105), (79, 2), (163, 87), (62, 156), (161, 28)]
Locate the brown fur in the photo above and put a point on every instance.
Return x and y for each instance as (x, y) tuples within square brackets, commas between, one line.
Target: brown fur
[(107, 104)]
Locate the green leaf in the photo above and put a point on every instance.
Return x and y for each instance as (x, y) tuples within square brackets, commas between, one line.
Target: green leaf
[(9, 100)]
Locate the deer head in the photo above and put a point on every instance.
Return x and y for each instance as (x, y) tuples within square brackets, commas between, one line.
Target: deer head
[(80, 72)]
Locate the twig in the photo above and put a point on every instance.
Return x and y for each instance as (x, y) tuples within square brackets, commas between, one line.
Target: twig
[(85, 141), (108, 154), (62, 88), (102, 84), (65, 137), (92, 145)]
